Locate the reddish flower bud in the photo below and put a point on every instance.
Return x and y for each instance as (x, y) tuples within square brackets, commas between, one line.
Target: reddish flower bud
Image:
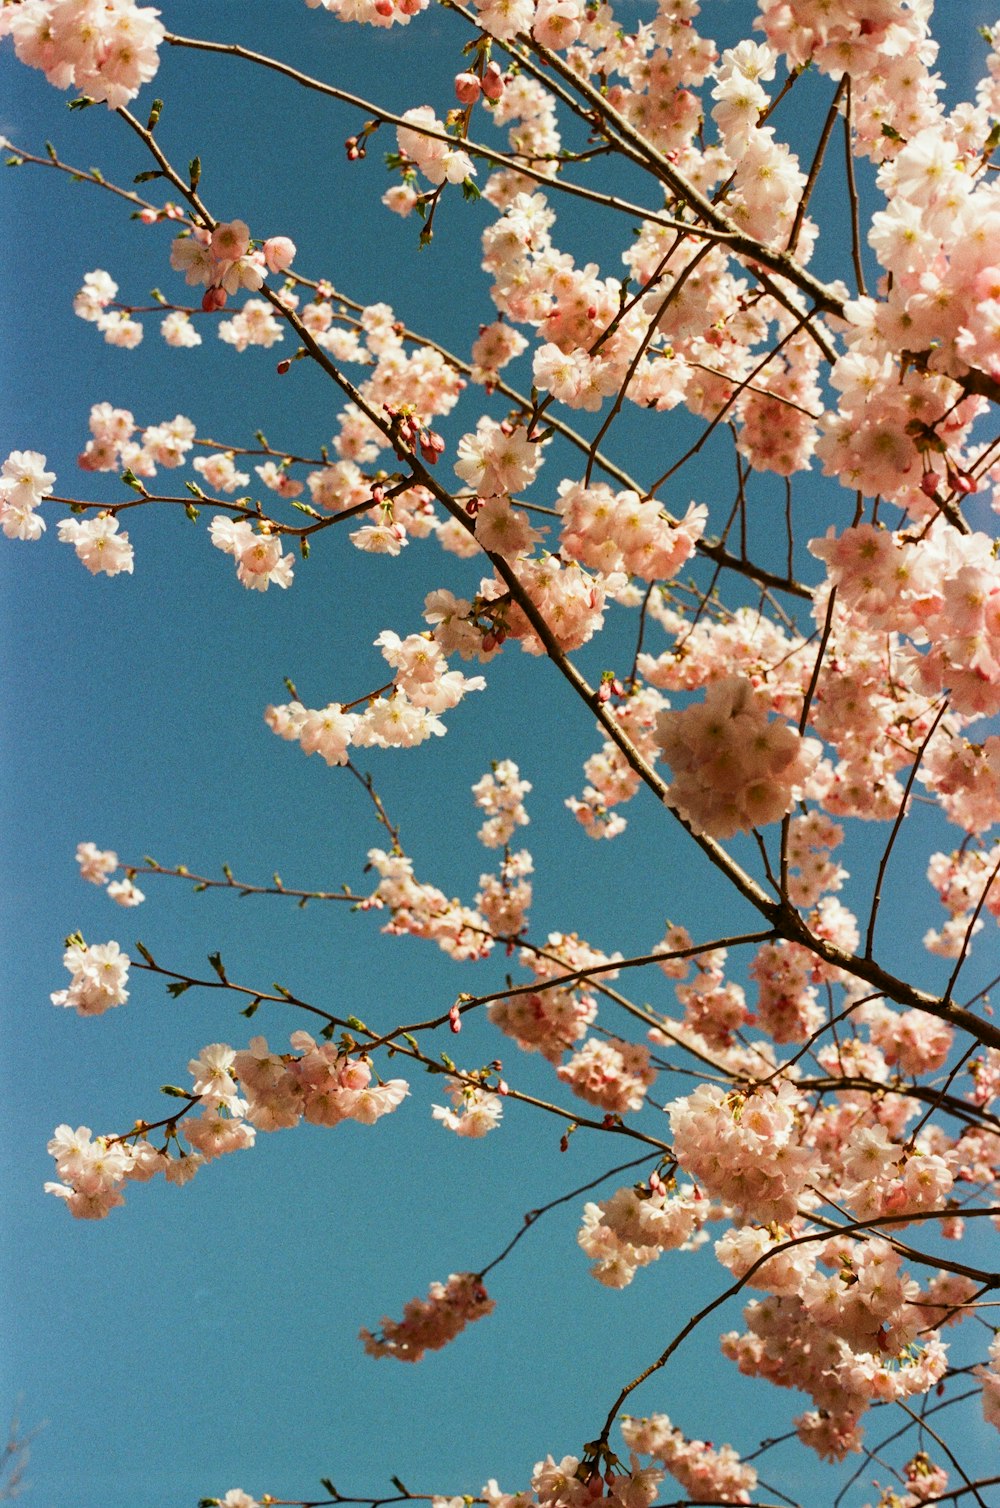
[(467, 88), (493, 81), (213, 299)]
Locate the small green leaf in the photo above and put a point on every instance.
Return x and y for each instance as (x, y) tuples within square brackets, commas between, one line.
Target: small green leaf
[(147, 176), (215, 959), (174, 1092), (194, 171), (147, 955), (176, 987), (154, 114)]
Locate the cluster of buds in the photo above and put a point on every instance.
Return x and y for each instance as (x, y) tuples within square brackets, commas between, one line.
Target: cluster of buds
[(409, 435), (610, 686), (469, 86), (356, 146)]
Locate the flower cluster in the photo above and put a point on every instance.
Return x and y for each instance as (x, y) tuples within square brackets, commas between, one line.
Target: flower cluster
[(24, 482), (97, 865), (611, 1074), (475, 1110), (105, 51), (708, 1473), (236, 1094), (99, 972), (637, 1224), (500, 794), (734, 769), (257, 552), (225, 260), (745, 1149), (428, 1324)]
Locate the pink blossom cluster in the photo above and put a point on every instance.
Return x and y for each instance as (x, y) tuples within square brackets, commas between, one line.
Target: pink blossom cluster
[(925, 1481), (436, 159), (98, 544), (372, 12), (422, 674), (422, 910), (572, 1483), (105, 50), (733, 768), (498, 460), (943, 591), (237, 1094), (745, 1149), (963, 777), (965, 885), (495, 346), (323, 1085), (422, 687), (609, 1073), (636, 1225), (990, 1378), (225, 261), (504, 898), (788, 1007), (849, 1337), (571, 602), (611, 531), (97, 865), (91, 1172), (475, 1111), (611, 779), (707, 1473), (99, 974), (260, 562), (428, 1324), (24, 483), (550, 1019), (500, 794), (117, 326), (112, 447)]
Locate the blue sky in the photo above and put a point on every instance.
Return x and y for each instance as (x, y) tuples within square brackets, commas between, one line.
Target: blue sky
[(205, 1338)]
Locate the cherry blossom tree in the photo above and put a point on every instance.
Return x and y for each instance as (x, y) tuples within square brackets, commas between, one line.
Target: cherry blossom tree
[(795, 679)]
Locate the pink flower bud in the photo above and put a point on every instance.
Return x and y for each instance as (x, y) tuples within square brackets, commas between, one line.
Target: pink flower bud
[(454, 1019), (467, 88), (149, 216), (378, 493), (493, 82), (283, 367), (384, 7), (278, 253), (213, 299)]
